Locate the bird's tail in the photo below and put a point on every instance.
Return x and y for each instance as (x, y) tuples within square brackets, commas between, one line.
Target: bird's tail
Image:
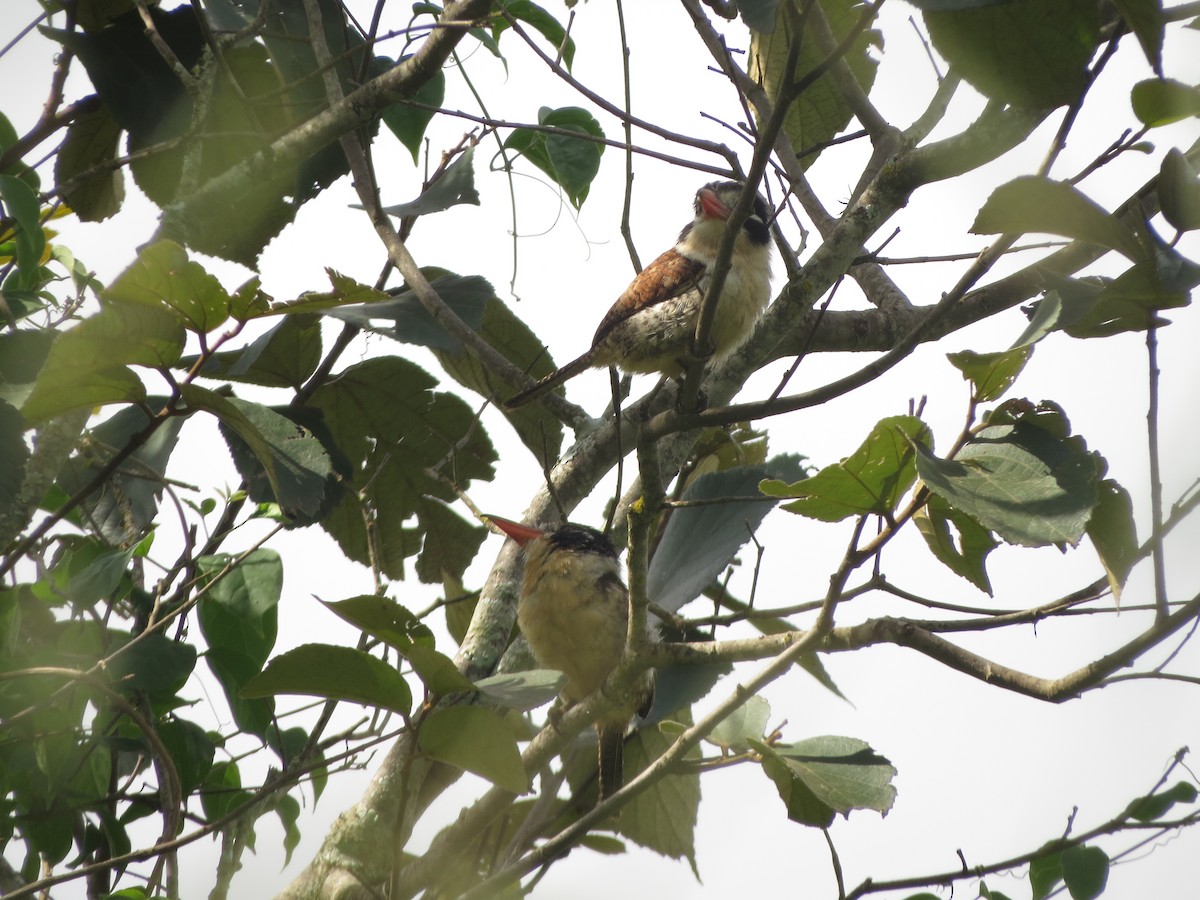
[(612, 759), (551, 381)]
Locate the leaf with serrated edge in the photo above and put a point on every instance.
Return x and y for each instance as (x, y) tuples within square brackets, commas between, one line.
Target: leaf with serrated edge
[(870, 480)]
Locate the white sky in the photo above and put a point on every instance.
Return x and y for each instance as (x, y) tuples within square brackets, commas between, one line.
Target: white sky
[(979, 769)]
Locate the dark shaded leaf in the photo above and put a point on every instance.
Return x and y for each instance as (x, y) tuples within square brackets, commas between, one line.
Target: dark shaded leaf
[(392, 426), (222, 791), (283, 357), (239, 619), (22, 207), (539, 430), (541, 21), (572, 163), (408, 123), (758, 14), (334, 673), (127, 503), (457, 185), (154, 664), (13, 455), (191, 749), (284, 452), (966, 556), (1085, 871), (1155, 806), (1024, 52), (384, 618), (1145, 19), (92, 140)]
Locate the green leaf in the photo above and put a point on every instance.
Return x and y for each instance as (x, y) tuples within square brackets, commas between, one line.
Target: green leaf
[(748, 722), (1179, 191), (1132, 300), (87, 364), (283, 357), (601, 843), (287, 808), (1025, 52), (522, 691), (92, 140), (821, 112), (1029, 486), (371, 410), (239, 619), (14, 455), (700, 541), (541, 21), (222, 791), (128, 505), (21, 205), (1033, 203), (870, 481), (1044, 874), (456, 185), (191, 750), (572, 163), (968, 555), (477, 740), (163, 276), (292, 460), (992, 374), (334, 673), (1114, 534), (822, 776), (1155, 806), (384, 618), (408, 123), (1085, 871), (987, 893), (99, 578), (1162, 101), (345, 291), (412, 323), (662, 818), (538, 429), (758, 15), (154, 664), (1145, 19)]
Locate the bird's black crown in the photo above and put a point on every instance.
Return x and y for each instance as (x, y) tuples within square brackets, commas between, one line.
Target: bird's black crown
[(581, 539)]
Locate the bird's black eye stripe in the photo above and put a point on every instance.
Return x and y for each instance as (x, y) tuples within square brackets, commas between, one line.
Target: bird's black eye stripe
[(582, 539)]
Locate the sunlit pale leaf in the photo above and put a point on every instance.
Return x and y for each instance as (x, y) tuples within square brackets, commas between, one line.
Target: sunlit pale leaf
[(478, 740)]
